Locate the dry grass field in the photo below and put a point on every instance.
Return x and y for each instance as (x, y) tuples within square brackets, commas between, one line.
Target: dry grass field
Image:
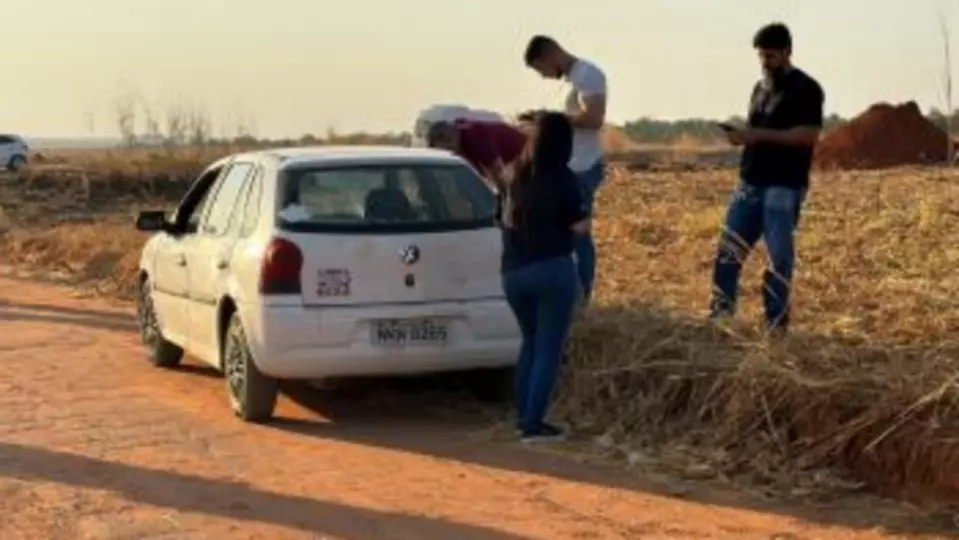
[(864, 390)]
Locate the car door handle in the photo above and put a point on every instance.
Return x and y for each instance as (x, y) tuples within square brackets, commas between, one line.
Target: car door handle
[(222, 265), (181, 260)]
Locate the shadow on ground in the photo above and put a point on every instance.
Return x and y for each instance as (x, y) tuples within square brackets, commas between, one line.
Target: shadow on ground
[(237, 501), (60, 315)]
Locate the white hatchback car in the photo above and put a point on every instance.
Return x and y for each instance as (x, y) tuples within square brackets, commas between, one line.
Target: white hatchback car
[(13, 152), (312, 263)]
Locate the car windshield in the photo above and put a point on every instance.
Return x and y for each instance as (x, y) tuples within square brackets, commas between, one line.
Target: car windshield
[(385, 198)]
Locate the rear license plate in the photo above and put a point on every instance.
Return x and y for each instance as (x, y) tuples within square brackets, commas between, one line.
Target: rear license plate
[(399, 332)]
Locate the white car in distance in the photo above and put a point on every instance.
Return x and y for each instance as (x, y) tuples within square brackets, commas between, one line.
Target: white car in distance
[(13, 152), (312, 263)]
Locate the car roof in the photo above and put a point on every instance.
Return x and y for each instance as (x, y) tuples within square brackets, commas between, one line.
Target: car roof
[(356, 155)]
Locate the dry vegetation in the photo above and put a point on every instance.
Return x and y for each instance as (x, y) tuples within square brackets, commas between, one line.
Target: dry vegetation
[(865, 387)]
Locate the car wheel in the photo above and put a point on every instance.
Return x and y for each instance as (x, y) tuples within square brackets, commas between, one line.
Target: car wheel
[(492, 385), (161, 352), (252, 394), (16, 163)]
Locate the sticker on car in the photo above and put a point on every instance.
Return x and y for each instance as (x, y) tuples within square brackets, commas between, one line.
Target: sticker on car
[(333, 282)]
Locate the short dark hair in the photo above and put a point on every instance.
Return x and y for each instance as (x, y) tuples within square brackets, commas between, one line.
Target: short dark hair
[(537, 48), (773, 36), (439, 132)]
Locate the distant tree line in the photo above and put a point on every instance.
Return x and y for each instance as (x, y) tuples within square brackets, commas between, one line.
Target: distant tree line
[(656, 131), (185, 123)]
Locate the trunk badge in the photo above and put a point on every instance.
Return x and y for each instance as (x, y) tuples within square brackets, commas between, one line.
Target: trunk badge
[(409, 255)]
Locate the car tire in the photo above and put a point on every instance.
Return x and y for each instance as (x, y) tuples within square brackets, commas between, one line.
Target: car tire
[(252, 394), (493, 385), (16, 163), (160, 352)]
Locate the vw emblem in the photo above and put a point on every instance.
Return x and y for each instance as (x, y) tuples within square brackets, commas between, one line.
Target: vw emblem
[(409, 255)]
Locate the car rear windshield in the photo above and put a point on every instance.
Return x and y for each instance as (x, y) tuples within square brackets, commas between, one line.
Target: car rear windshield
[(389, 198)]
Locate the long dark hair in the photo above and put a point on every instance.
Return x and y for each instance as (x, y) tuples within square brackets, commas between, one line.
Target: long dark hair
[(546, 155)]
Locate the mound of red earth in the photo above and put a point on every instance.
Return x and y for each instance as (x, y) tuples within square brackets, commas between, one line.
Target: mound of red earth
[(883, 136)]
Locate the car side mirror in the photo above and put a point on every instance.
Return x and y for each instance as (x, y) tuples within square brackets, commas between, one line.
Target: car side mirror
[(152, 221)]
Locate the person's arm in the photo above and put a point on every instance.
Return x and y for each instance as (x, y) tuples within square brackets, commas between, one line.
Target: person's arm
[(593, 113), (807, 115), (500, 208), (797, 136), (500, 173), (592, 89)]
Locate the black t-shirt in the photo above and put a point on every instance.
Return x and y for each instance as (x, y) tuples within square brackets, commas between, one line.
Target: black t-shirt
[(544, 232), (796, 100)]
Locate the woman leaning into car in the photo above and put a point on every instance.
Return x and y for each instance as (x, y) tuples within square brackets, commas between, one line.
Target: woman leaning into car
[(540, 211)]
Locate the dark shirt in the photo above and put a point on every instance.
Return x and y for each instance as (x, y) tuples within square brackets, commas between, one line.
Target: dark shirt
[(482, 143), (544, 230), (796, 100)]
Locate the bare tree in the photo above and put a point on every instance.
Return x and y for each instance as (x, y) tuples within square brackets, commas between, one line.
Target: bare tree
[(176, 124), (125, 107), (947, 83)]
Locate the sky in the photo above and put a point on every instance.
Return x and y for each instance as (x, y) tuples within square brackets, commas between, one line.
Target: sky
[(290, 67)]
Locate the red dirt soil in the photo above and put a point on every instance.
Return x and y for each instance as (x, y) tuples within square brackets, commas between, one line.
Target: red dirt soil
[(883, 136), (97, 444)]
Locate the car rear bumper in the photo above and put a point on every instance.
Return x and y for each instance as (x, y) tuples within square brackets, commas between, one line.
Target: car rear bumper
[(312, 343)]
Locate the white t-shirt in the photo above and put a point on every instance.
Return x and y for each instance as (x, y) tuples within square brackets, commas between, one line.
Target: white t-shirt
[(585, 80)]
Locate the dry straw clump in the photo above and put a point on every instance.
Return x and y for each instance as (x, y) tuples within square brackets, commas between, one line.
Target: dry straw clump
[(865, 385)]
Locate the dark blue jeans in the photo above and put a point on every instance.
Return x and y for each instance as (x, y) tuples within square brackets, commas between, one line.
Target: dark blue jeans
[(584, 246), (769, 212), (542, 296)]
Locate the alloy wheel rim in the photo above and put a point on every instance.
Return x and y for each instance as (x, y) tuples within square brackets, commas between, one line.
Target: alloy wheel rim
[(149, 329), (235, 367)]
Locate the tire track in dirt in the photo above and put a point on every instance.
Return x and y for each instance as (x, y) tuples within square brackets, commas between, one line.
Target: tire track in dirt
[(95, 443)]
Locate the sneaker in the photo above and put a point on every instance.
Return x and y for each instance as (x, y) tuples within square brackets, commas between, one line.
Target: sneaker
[(776, 333), (543, 434)]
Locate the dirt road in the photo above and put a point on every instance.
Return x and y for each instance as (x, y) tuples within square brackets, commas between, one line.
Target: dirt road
[(97, 444)]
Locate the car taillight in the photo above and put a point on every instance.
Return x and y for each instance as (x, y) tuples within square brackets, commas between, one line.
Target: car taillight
[(280, 270)]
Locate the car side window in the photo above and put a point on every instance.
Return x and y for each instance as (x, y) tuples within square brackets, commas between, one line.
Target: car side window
[(224, 201), (4, 139), (197, 205), (251, 204)]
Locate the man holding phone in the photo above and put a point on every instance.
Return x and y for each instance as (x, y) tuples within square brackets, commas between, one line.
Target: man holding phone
[(785, 118)]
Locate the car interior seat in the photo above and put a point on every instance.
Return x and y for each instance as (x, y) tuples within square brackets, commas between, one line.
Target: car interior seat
[(388, 203)]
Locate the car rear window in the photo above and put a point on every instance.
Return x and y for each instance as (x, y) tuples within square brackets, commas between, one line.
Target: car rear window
[(386, 199)]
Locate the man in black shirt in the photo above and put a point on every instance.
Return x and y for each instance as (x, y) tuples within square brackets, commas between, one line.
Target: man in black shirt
[(785, 117)]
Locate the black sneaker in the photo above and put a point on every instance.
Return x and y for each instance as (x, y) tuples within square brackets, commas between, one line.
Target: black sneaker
[(543, 434)]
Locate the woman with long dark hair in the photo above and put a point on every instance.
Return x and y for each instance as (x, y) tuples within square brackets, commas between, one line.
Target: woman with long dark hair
[(541, 208)]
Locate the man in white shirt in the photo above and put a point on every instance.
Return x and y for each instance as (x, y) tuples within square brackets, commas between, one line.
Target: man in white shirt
[(586, 107)]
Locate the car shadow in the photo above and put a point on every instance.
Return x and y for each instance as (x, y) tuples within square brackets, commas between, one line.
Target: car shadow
[(64, 310), (436, 416), (233, 500), (103, 320)]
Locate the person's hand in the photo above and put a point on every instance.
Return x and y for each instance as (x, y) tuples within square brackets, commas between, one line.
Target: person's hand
[(582, 227), (531, 115), (739, 137)]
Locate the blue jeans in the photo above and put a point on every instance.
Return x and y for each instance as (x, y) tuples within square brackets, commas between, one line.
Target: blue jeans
[(584, 246), (541, 296), (769, 212)]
